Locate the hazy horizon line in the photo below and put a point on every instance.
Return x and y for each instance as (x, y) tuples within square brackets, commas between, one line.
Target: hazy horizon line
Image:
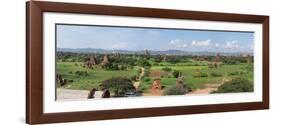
[(161, 50)]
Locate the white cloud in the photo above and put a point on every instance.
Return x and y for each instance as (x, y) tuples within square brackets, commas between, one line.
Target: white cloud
[(120, 45), (184, 45), (205, 43), (177, 43), (217, 45), (232, 45)]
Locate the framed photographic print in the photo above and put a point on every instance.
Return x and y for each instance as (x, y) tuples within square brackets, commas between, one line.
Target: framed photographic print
[(95, 62)]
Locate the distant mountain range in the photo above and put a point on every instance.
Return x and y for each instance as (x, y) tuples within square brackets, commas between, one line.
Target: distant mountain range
[(152, 52)]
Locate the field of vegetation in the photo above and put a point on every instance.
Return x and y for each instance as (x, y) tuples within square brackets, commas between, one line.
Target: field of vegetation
[(144, 73), (86, 79)]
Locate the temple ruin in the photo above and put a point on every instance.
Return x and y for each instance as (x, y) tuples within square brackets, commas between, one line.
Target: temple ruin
[(156, 84), (105, 60), (116, 55), (91, 62), (218, 58)]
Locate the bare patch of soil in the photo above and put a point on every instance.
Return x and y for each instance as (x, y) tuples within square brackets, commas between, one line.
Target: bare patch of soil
[(64, 94), (209, 87), (153, 93), (203, 91)]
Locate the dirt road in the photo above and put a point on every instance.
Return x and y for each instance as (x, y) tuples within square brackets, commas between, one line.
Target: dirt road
[(64, 94), (137, 83), (209, 87)]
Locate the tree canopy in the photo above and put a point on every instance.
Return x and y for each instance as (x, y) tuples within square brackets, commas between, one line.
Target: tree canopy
[(236, 85), (119, 85), (175, 90)]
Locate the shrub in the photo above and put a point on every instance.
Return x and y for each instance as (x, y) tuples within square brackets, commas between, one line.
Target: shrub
[(200, 74), (176, 73), (81, 73), (216, 74), (237, 73), (175, 90), (236, 85), (167, 69), (211, 66), (155, 64), (233, 73), (146, 79)]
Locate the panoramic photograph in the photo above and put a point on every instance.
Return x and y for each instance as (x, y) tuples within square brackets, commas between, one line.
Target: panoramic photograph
[(96, 62)]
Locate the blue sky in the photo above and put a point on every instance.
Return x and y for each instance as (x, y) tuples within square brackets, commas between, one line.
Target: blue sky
[(111, 38)]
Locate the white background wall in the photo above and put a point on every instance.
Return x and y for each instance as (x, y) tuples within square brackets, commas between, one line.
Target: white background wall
[(12, 62)]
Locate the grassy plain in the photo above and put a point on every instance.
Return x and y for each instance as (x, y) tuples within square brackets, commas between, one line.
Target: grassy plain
[(83, 78), (92, 79)]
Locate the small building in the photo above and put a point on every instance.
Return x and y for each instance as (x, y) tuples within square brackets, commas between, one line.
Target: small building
[(156, 84)]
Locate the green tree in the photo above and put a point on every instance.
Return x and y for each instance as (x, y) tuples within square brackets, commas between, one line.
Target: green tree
[(176, 73), (119, 85), (173, 59), (143, 63), (216, 74), (167, 69)]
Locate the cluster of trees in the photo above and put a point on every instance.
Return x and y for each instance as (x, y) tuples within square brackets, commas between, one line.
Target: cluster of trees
[(118, 85), (236, 60), (71, 57), (130, 60), (135, 59), (116, 66), (215, 74), (81, 73), (143, 63), (236, 85), (175, 90), (237, 73), (175, 73), (167, 69)]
